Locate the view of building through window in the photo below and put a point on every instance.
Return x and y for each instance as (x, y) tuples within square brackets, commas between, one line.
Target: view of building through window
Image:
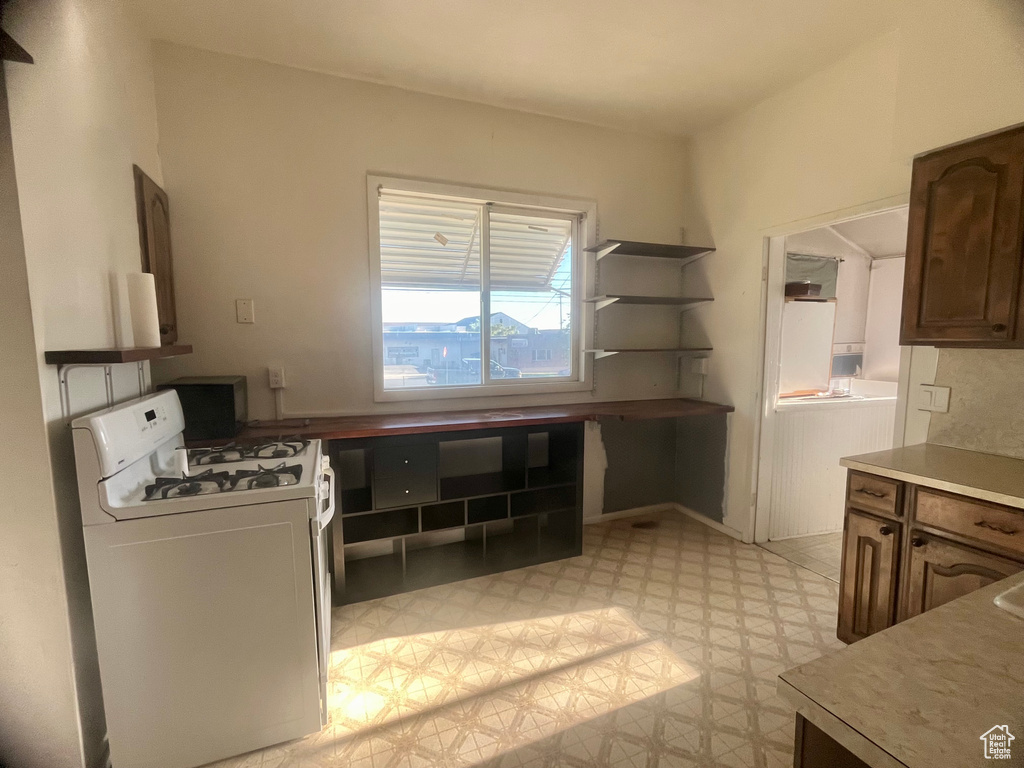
[(432, 294)]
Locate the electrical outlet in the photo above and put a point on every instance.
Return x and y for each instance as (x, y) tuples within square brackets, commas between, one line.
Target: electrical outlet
[(245, 311), (275, 377)]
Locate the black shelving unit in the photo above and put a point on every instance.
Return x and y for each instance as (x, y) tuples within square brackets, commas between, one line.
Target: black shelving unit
[(520, 505)]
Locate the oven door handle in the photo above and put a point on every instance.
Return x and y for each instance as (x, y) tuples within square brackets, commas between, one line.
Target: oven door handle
[(327, 487)]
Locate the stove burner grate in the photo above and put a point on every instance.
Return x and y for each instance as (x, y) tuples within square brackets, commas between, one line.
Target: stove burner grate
[(186, 485), (249, 479), (226, 454)]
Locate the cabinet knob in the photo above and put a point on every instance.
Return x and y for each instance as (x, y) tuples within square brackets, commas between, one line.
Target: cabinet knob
[(998, 328), (917, 541), (885, 530)]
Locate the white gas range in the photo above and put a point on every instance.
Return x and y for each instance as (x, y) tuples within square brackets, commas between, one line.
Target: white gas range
[(210, 586)]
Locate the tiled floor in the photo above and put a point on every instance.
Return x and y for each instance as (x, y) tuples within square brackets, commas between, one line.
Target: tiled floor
[(821, 554), (656, 648)]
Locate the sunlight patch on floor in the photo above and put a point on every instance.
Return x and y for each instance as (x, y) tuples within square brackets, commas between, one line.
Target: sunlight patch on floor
[(523, 680)]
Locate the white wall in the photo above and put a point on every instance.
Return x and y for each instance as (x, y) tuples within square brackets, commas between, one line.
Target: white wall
[(838, 143), (882, 334), (266, 166), (80, 116)]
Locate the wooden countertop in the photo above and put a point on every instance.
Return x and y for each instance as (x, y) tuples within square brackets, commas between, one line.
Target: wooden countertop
[(384, 424)]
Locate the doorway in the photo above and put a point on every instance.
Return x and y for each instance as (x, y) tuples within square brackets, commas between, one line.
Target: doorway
[(832, 365)]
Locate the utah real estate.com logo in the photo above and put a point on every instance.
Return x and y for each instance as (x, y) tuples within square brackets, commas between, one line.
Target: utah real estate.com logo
[(997, 742)]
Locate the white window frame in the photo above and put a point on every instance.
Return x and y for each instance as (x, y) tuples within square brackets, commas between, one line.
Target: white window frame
[(581, 313)]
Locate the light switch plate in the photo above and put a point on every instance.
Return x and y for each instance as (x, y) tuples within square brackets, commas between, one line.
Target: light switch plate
[(245, 311), (932, 398)]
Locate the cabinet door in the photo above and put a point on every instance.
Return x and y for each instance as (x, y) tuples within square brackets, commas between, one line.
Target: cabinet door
[(939, 571), (964, 245), (155, 240), (867, 587)]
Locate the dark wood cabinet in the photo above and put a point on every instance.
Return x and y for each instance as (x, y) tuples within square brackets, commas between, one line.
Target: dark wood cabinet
[(965, 245), (908, 549), (868, 577), (939, 571), (155, 242)]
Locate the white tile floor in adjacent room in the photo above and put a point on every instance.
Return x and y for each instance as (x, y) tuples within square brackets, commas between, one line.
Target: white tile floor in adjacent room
[(822, 553), (656, 648)]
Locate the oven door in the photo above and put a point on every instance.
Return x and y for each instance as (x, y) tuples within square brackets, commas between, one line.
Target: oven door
[(322, 580)]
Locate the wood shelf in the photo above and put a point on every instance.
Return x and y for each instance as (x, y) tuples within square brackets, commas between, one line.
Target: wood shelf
[(683, 302), (114, 356), (599, 353), (686, 254)]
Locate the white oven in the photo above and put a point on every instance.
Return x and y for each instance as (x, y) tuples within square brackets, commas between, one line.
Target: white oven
[(210, 586)]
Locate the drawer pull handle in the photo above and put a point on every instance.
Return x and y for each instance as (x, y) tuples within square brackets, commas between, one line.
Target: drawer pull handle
[(885, 530), (998, 327), (869, 492), (996, 528), (917, 541)]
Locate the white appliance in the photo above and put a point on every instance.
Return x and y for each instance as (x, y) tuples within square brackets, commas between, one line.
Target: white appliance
[(805, 361), (210, 586)]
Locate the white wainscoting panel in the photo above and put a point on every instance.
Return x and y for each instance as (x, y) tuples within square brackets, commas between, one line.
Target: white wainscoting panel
[(808, 485)]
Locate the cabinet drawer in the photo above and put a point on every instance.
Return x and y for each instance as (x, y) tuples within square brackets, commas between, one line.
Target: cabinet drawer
[(401, 491), (1001, 526), (873, 493), (404, 475), (401, 460)]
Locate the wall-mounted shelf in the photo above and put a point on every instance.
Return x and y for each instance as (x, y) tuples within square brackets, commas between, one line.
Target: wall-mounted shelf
[(686, 254), (599, 353), (684, 303), (114, 356), (67, 360)]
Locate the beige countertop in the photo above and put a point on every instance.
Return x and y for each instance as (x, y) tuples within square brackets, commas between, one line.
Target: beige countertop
[(998, 479), (921, 693)]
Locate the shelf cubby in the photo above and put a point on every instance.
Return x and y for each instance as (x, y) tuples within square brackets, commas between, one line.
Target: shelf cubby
[(487, 508), (385, 524), (448, 514)]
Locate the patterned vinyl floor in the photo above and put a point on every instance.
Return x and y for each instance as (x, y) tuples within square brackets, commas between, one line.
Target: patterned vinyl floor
[(656, 648)]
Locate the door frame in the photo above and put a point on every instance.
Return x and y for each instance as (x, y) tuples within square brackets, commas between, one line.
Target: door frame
[(772, 301)]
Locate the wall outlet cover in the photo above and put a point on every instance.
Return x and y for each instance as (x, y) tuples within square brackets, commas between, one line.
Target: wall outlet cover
[(245, 311), (275, 377)]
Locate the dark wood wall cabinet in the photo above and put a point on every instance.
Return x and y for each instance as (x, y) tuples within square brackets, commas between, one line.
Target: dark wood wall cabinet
[(908, 549), (965, 245), (425, 509), (155, 241)]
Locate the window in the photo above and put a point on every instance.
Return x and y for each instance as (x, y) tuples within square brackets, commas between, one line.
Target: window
[(444, 257)]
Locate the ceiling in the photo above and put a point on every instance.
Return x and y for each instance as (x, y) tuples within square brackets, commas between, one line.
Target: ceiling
[(656, 66), (879, 236)]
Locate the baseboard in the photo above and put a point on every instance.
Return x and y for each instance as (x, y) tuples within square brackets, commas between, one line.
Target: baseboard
[(667, 507), (634, 512), (731, 532)]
